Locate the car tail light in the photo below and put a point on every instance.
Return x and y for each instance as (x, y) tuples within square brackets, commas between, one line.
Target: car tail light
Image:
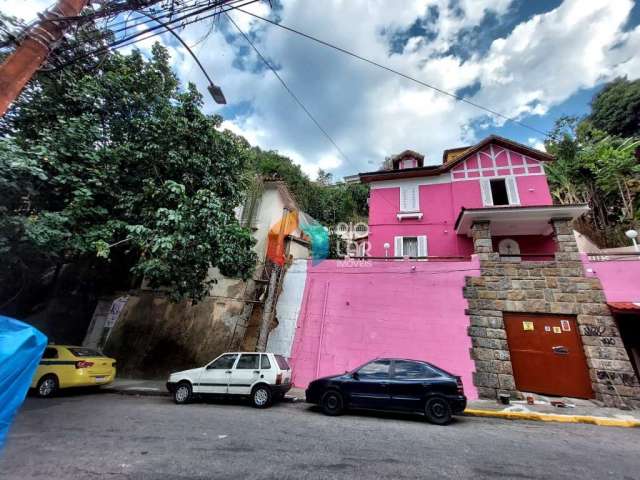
[(460, 386), (113, 364), (83, 364), (278, 379)]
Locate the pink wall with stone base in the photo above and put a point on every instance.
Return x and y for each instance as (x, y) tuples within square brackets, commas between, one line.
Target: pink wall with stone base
[(620, 278), (353, 312)]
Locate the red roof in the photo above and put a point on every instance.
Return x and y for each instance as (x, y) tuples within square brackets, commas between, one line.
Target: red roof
[(432, 170), (624, 307)]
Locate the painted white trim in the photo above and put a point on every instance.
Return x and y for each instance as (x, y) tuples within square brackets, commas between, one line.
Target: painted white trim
[(404, 215), (494, 168), (418, 181)]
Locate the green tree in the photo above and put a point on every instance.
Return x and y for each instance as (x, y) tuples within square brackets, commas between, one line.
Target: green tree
[(115, 162), (599, 169), (616, 108)]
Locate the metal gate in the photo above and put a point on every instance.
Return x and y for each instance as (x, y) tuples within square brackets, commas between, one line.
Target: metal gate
[(547, 355)]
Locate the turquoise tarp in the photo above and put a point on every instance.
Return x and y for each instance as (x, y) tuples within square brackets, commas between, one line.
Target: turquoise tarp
[(21, 348)]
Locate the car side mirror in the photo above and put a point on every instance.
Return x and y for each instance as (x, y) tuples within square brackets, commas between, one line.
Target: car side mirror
[(355, 376)]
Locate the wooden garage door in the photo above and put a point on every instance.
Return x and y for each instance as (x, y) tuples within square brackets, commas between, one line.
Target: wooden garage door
[(547, 355)]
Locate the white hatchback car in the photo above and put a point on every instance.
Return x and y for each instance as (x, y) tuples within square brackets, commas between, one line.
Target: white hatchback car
[(264, 377)]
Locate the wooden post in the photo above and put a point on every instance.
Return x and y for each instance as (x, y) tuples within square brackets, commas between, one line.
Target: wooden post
[(24, 62)]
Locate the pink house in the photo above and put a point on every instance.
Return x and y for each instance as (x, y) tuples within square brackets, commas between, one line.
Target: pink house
[(419, 211), (470, 265)]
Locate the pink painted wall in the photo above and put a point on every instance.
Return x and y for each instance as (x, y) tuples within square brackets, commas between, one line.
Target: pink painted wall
[(441, 203), (620, 278), (352, 314)]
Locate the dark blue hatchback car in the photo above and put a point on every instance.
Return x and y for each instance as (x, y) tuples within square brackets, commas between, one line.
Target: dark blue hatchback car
[(392, 384)]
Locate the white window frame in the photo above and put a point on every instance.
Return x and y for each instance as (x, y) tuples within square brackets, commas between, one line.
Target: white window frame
[(423, 250), (511, 186)]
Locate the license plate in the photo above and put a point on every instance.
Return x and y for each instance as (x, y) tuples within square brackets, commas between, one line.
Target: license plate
[(99, 379)]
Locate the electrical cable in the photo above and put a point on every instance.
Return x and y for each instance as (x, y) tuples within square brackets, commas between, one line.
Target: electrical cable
[(286, 87), (134, 38), (396, 72)]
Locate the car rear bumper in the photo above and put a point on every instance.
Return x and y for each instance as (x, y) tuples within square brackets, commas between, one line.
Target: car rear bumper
[(281, 389), (85, 379), (458, 404)]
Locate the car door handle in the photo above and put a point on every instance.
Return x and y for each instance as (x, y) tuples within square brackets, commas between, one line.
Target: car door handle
[(228, 371), (560, 350), (256, 371)]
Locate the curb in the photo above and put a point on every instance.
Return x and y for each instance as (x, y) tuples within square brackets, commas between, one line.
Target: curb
[(552, 417)]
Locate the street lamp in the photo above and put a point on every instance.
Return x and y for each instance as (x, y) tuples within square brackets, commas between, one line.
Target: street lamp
[(214, 90), (632, 234)]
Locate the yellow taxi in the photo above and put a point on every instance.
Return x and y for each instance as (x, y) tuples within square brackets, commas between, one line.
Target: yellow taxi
[(64, 366)]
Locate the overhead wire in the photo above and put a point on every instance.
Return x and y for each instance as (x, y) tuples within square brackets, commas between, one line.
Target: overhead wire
[(160, 14), (396, 72), (131, 39), (288, 89)]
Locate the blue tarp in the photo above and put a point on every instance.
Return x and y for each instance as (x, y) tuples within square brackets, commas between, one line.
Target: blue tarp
[(21, 348)]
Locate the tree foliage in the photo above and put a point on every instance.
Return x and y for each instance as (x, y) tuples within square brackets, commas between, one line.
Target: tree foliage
[(616, 108), (117, 163), (327, 202), (599, 169)]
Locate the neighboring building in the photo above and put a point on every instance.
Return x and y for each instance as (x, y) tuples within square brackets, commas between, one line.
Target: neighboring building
[(354, 236), (149, 335), (472, 267)]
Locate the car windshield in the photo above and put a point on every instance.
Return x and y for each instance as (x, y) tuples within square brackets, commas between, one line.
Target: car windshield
[(282, 362), (85, 352)]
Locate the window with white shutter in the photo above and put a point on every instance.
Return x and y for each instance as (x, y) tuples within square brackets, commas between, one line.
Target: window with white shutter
[(485, 188), (512, 191), (422, 246), (397, 247), (409, 201), (499, 191)]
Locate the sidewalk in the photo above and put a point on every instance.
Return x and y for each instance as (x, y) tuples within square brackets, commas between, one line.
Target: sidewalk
[(574, 410)]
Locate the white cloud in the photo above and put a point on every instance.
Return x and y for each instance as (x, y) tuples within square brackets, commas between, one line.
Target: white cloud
[(26, 10), (537, 144), (372, 113)]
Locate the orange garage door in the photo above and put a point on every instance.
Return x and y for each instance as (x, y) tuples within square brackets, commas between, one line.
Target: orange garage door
[(547, 355)]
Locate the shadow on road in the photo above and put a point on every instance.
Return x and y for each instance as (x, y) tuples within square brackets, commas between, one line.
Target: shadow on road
[(398, 416)]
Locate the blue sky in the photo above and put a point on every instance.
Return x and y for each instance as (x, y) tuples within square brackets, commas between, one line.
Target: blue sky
[(532, 60)]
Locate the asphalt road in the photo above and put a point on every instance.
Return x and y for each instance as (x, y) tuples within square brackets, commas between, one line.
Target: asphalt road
[(102, 435)]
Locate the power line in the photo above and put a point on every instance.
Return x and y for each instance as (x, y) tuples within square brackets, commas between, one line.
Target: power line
[(286, 87), (126, 41), (159, 13), (397, 72)]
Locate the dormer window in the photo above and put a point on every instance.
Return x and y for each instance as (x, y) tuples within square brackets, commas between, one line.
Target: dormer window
[(407, 159), (408, 163)]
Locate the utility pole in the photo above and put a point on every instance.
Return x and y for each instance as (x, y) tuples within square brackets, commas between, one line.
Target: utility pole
[(31, 53)]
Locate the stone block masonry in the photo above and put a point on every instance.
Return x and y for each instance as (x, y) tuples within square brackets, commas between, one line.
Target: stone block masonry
[(550, 287)]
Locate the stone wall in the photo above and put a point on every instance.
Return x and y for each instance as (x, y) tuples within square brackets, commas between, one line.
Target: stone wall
[(154, 336), (550, 287)]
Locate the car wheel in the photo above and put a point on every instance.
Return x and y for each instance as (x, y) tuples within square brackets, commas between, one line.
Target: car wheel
[(261, 396), (183, 393), (47, 386), (332, 403), (437, 411)]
